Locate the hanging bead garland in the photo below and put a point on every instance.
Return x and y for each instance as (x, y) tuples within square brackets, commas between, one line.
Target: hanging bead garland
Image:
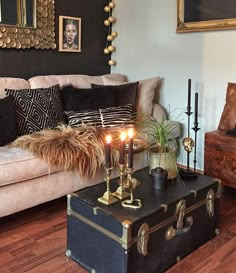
[(111, 35)]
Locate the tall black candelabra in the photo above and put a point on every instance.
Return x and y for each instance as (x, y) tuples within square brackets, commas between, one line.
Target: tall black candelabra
[(188, 113), (188, 142), (195, 129)]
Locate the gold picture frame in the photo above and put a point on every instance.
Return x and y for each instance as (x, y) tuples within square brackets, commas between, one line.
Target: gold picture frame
[(69, 34), (221, 8)]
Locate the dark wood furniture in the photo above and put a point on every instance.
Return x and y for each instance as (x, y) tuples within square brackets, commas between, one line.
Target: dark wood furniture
[(220, 157)]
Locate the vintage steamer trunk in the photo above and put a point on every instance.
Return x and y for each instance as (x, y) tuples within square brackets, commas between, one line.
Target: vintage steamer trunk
[(170, 224), (220, 157)]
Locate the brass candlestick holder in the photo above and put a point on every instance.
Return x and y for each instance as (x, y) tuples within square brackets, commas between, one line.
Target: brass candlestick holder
[(132, 184), (121, 192), (108, 197)]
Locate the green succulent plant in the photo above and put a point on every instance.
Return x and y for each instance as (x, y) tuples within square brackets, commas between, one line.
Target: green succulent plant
[(159, 133)]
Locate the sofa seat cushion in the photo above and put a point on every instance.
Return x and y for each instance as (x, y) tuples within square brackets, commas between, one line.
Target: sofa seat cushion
[(18, 165)]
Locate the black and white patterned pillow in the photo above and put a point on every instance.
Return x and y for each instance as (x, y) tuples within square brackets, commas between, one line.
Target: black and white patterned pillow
[(37, 109), (112, 117), (120, 116), (76, 119)]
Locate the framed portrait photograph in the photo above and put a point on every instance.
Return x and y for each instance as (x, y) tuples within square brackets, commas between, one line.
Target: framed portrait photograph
[(198, 15), (69, 34)]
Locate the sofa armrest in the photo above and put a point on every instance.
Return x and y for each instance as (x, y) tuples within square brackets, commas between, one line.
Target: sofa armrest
[(159, 112)]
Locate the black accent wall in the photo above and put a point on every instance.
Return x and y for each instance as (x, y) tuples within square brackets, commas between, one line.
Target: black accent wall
[(25, 63)]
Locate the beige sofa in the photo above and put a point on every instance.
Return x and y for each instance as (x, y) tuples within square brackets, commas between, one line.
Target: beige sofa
[(25, 181)]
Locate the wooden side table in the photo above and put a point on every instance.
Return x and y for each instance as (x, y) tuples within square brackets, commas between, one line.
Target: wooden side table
[(220, 157)]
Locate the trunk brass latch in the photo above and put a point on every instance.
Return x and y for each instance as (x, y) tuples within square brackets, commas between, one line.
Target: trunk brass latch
[(182, 225), (210, 203), (143, 236), (180, 213)]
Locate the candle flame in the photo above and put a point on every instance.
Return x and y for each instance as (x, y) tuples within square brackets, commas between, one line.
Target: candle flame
[(123, 136), (108, 139), (131, 133)]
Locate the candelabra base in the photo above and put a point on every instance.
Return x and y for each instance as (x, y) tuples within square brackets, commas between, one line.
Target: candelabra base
[(187, 174), (107, 198), (121, 193)]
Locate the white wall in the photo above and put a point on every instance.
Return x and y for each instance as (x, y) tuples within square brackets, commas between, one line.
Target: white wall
[(148, 46)]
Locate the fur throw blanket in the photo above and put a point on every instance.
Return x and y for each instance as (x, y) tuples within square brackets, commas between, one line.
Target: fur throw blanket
[(66, 148)]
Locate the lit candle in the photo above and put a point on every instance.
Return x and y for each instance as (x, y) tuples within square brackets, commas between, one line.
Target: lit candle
[(122, 148), (189, 94), (196, 108), (130, 151), (108, 151)]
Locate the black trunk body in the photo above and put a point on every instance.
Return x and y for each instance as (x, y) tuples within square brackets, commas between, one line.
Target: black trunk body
[(96, 234)]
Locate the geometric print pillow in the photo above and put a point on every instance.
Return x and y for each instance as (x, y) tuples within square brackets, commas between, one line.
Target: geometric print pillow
[(112, 117), (37, 109)]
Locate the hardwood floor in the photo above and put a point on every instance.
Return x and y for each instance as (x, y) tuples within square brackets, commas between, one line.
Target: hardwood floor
[(35, 241)]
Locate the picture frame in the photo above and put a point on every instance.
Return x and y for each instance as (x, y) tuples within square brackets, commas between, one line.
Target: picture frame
[(69, 34), (197, 15)]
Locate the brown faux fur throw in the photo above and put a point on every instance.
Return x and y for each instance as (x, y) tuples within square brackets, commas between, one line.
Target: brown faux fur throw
[(67, 148)]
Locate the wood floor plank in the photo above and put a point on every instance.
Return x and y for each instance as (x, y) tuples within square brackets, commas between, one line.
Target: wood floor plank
[(34, 260), (34, 241), (59, 264)]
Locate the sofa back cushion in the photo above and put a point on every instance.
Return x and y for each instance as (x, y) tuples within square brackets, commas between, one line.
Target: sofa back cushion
[(123, 94), (12, 83), (98, 97), (37, 109), (79, 99), (145, 95), (8, 125), (78, 81)]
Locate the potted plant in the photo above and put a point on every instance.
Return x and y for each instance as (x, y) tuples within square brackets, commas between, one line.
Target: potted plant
[(163, 147)]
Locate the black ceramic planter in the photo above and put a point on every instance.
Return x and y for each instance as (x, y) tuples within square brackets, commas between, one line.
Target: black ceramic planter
[(159, 178)]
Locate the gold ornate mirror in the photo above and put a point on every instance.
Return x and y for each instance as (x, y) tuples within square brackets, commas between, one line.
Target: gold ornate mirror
[(18, 13), (27, 24)]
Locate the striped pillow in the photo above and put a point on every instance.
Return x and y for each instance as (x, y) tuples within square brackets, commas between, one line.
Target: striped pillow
[(76, 119), (121, 116)]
